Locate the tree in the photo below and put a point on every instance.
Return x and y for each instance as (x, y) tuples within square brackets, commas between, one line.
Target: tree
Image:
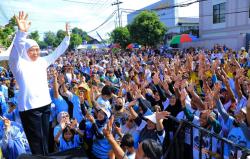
[(121, 35), (50, 39), (42, 45), (77, 31), (75, 39), (7, 33), (85, 36), (34, 35), (59, 37), (147, 29)]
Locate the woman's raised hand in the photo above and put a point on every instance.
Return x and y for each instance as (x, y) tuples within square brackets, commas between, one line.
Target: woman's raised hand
[(67, 27), (22, 22)]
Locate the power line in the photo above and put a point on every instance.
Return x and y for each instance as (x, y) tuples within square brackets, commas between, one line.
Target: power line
[(117, 3), (110, 17), (167, 7), (105, 5)]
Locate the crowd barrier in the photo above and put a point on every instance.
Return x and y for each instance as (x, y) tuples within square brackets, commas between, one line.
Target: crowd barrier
[(180, 148)]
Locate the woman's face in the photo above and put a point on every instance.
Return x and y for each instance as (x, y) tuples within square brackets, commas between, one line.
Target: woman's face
[(82, 92), (209, 81), (34, 53), (130, 123), (150, 125), (244, 85), (203, 119), (75, 89), (157, 96), (100, 115), (68, 135), (172, 101), (65, 118)]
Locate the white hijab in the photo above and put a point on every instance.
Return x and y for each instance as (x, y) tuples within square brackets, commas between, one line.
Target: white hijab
[(28, 44)]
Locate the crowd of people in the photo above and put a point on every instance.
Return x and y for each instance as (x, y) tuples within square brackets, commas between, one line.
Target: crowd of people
[(120, 105)]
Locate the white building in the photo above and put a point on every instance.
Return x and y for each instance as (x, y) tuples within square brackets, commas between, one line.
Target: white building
[(223, 22), (177, 19)]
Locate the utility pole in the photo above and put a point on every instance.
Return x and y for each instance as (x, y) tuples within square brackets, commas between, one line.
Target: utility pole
[(117, 3)]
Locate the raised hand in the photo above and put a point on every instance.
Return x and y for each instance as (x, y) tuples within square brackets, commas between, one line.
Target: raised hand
[(183, 95), (165, 85), (184, 84), (239, 73), (61, 79), (90, 118), (161, 115), (138, 94), (55, 74), (67, 27), (132, 103), (63, 125), (73, 124), (215, 65), (107, 132), (23, 24), (177, 85), (7, 123), (216, 92)]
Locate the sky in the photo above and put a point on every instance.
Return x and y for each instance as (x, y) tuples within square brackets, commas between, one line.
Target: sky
[(51, 15)]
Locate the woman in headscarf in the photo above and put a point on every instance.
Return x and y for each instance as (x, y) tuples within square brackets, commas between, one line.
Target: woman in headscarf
[(30, 71)]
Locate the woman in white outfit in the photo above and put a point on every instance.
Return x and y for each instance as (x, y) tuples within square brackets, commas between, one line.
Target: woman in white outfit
[(30, 71)]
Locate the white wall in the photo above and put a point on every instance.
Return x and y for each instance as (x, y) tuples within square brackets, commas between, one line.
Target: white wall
[(234, 42)]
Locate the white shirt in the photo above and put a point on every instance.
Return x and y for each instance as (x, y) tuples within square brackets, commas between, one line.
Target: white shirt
[(31, 76)]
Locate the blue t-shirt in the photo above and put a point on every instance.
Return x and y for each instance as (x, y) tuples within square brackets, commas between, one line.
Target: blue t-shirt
[(61, 104), (236, 135), (77, 112), (101, 147), (63, 145)]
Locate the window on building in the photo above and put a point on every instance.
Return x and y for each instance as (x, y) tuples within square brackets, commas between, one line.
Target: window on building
[(249, 10), (219, 13)]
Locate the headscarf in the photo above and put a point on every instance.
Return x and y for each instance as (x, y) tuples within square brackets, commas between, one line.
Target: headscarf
[(28, 44)]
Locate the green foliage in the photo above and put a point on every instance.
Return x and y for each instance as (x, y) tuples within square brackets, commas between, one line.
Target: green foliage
[(75, 39), (82, 33), (42, 45), (7, 32), (34, 35), (121, 35), (147, 29), (77, 31), (12, 23), (85, 36), (50, 38)]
